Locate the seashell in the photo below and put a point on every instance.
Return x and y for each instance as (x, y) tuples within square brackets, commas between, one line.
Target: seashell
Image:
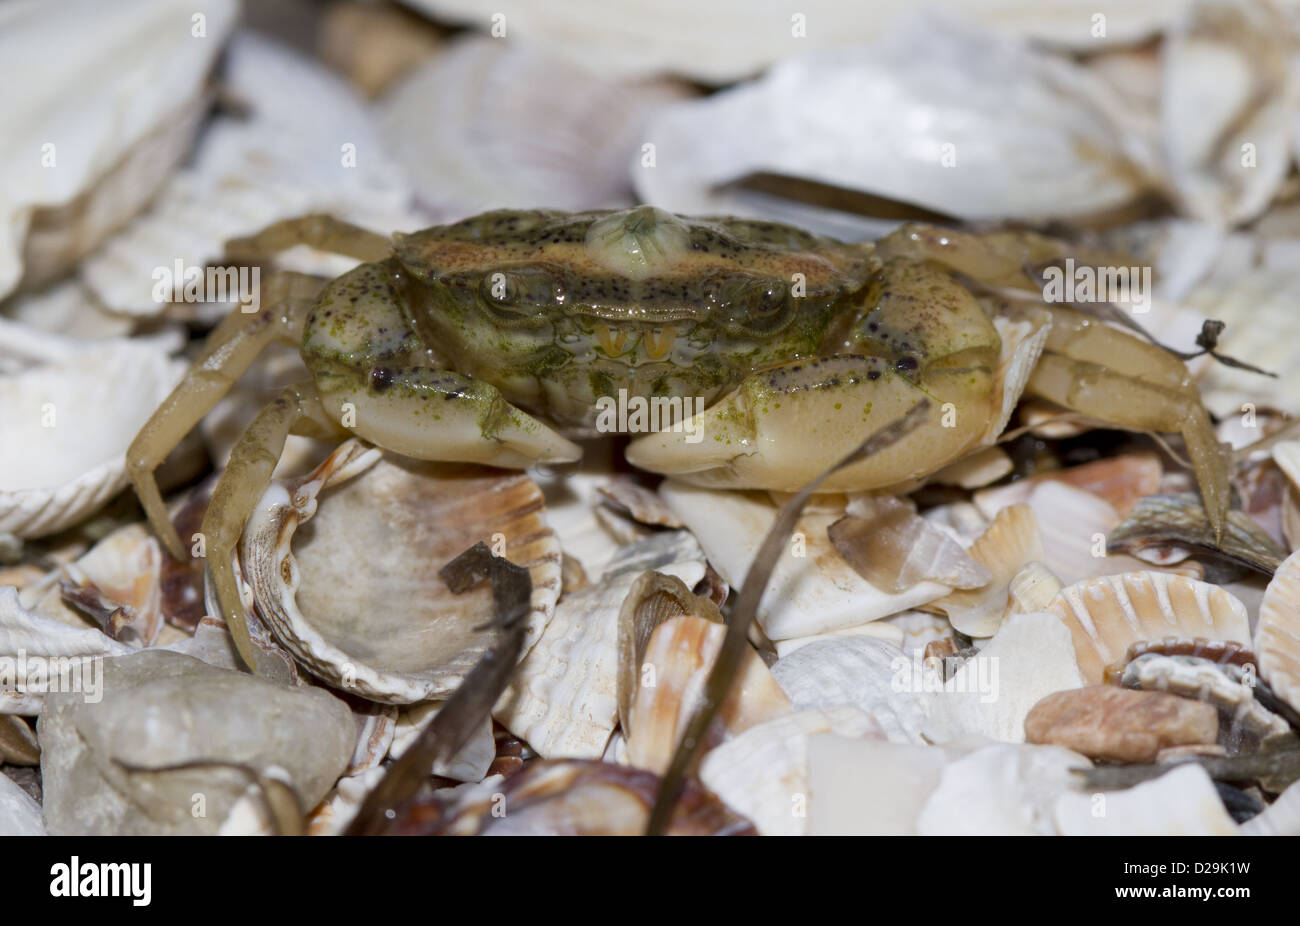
[(1229, 100), (860, 787), (376, 727), (487, 124), (1119, 481), (1179, 520), (1032, 589), (992, 692), (336, 810), (24, 635), (1280, 818), (374, 45), (20, 815), (18, 744), (892, 547), (1181, 802), (857, 671), (1107, 614), (763, 772), (884, 630), (125, 570), (1226, 688), (68, 427), (961, 518), (807, 594), (470, 764), (403, 520), (168, 727), (276, 160), (94, 134), (1277, 633), (1000, 790), (1010, 543), (62, 319), (628, 495), (1023, 339), (673, 670), (563, 700), (572, 798), (977, 469), (976, 126), (572, 503)]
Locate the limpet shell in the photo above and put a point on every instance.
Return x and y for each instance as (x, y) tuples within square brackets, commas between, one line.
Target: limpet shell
[(1107, 614), (1277, 634), (343, 564), (68, 425)]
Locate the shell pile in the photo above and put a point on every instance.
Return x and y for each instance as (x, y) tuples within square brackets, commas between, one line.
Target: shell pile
[(989, 649)]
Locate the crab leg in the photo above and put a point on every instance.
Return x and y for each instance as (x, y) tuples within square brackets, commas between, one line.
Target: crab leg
[(322, 232), (229, 351), (241, 485)]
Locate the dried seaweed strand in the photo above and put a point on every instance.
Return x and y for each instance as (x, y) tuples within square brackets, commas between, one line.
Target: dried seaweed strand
[(727, 666), (1282, 765), (471, 703)]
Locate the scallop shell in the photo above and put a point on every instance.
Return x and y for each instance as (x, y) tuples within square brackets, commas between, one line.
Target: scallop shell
[(563, 699), (381, 525), (68, 427), (278, 160), (763, 772), (813, 589), (1011, 542), (859, 672), (487, 124), (1108, 614), (1230, 93), (1182, 802), (1277, 633), (93, 131), (674, 668), (1119, 481), (934, 114)]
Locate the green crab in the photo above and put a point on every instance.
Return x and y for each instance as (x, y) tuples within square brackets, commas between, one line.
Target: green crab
[(496, 339)]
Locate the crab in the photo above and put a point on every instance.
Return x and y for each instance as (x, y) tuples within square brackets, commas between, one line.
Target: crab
[(495, 340)]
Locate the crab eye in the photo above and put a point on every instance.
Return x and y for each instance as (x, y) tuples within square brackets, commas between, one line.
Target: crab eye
[(524, 295), (756, 307)]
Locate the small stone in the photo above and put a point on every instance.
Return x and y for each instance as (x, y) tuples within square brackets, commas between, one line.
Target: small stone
[(1104, 722)]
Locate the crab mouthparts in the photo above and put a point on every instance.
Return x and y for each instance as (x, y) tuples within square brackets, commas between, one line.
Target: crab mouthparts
[(657, 342)]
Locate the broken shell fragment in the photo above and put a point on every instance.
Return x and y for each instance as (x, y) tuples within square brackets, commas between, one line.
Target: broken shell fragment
[(1107, 614), (344, 565), (1103, 722), (470, 764), (1181, 802), (1277, 634), (1009, 544), (68, 425), (1162, 521)]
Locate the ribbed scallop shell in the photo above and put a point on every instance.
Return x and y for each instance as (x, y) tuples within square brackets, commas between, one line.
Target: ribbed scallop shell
[(1277, 634), (1010, 543), (356, 597), (1107, 614)]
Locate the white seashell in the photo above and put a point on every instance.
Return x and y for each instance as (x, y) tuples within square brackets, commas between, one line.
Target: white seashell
[(1181, 802), (861, 787), (1107, 614), (24, 635), (877, 630), (1023, 340), (1030, 657), (1074, 525), (356, 597), (333, 814), (763, 772), (572, 503), (563, 700), (486, 124), (1000, 790), (860, 672), (1277, 633), (1229, 100), (470, 764), (811, 590), (1280, 818), (279, 161), (681, 37), (19, 814), (920, 629), (1010, 542), (978, 469), (68, 425), (962, 519), (126, 568), (1032, 588), (376, 727), (92, 132), (62, 319), (673, 673), (935, 114)]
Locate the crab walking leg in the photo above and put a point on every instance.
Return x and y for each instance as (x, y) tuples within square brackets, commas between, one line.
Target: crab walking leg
[(433, 414), (322, 232), (229, 351), (783, 427), (238, 491)]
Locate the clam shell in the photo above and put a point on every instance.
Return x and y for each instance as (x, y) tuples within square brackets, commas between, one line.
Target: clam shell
[(859, 672), (356, 596), (68, 425), (1159, 522), (563, 699), (763, 772), (1108, 614), (1010, 543), (1277, 633), (813, 589), (487, 124), (115, 110), (935, 114), (1182, 802), (674, 668)]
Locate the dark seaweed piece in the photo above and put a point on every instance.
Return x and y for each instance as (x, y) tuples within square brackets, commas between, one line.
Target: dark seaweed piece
[(1275, 769), (1241, 806)]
